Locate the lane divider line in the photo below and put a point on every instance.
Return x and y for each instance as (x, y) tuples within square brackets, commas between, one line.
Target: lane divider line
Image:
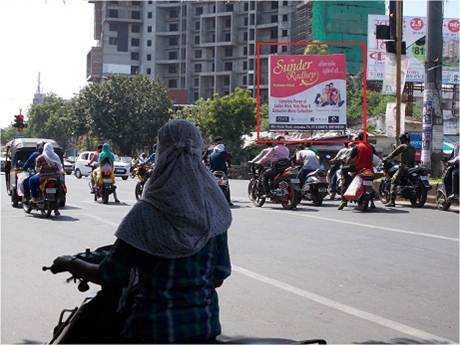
[(376, 319)]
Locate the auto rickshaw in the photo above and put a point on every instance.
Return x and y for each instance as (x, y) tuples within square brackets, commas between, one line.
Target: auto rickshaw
[(17, 152)]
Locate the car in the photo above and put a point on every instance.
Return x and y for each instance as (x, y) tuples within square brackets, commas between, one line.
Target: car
[(121, 169), (68, 166)]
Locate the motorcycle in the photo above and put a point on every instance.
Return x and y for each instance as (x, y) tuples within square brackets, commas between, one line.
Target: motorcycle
[(142, 172), (104, 183), (97, 321), (361, 189), (413, 185), (444, 190), (284, 189), (222, 182), (51, 194), (315, 187)]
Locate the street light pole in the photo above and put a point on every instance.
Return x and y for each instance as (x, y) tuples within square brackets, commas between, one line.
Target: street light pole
[(398, 41)]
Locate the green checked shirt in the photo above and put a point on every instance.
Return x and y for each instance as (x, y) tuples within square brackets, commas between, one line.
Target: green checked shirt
[(169, 300)]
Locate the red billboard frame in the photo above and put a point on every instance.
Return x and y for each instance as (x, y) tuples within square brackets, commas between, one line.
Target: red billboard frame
[(362, 45)]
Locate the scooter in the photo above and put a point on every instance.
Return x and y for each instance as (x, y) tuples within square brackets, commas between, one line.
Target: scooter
[(96, 321), (315, 187), (104, 184), (445, 195), (222, 182), (361, 190)]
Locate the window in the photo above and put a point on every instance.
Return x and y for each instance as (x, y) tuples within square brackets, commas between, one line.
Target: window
[(149, 71), (228, 51), (246, 21), (274, 5), (113, 13), (251, 64), (274, 33), (195, 96), (172, 55), (173, 27), (197, 39), (135, 15), (149, 57), (172, 83), (251, 49), (196, 82), (245, 79), (198, 67), (173, 13), (228, 7), (198, 11), (227, 22), (245, 36), (149, 43), (246, 6), (135, 3), (273, 49), (113, 2), (134, 69), (182, 67), (135, 28), (285, 17), (251, 79), (113, 41), (251, 34), (284, 49), (173, 41), (149, 28), (274, 18), (135, 42), (245, 51), (228, 66), (227, 37), (213, 53), (149, 15), (252, 19), (150, 2), (213, 67), (245, 65), (213, 9), (253, 5), (113, 26), (197, 25), (134, 56), (285, 3), (226, 80), (198, 54), (284, 33)]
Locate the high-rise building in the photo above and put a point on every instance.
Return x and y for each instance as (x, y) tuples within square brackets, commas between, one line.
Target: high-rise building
[(196, 48)]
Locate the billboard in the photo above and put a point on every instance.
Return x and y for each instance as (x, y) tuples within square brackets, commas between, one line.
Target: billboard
[(307, 92), (414, 28)]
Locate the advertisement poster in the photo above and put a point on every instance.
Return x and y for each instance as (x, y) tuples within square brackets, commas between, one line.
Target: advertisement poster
[(389, 81), (414, 28), (307, 92), (390, 120)]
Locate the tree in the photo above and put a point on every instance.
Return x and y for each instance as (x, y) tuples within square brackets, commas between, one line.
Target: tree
[(316, 49), (127, 111), (7, 134)]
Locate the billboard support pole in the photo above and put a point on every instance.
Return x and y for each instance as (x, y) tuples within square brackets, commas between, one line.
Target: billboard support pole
[(398, 65), (432, 137)]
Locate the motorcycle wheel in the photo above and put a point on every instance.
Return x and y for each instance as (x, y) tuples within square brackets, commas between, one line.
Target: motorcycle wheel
[(138, 190), (289, 202), (46, 211), (27, 207), (254, 193), (420, 196), (384, 192), (441, 201), (105, 198), (363, 203), (317, 200)]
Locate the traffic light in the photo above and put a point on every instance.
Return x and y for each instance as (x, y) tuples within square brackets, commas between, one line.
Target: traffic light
[(392, 19)]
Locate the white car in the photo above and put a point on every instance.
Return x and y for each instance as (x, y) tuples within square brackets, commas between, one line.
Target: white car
[(82, 169)]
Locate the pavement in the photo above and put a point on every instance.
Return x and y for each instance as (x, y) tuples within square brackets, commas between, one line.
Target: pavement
[(384, 276)]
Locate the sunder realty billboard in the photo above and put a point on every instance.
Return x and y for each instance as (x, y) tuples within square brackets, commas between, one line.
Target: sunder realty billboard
[(307, 92)]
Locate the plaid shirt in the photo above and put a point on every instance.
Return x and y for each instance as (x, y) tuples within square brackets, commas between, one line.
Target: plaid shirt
[(169, 300)]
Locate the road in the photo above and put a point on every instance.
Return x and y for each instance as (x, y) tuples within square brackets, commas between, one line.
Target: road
[(386, 276)]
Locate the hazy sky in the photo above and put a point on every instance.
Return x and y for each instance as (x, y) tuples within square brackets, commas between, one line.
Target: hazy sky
[(54, 36)]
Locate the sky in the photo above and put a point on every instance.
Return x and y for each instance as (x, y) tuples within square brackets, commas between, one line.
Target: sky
[(53, 37)]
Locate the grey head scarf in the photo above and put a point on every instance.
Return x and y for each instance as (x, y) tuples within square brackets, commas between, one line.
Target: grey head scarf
[(182, 206)]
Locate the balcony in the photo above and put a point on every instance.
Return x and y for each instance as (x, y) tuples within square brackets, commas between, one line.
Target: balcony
[(94, 64)]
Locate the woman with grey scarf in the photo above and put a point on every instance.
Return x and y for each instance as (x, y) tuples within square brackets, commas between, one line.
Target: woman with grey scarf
[(171, 250)]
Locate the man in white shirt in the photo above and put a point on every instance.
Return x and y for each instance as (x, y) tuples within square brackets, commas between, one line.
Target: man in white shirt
[(309, 160)]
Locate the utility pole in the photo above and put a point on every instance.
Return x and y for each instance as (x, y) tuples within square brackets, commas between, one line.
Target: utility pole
[(398, 41), (433, 132)]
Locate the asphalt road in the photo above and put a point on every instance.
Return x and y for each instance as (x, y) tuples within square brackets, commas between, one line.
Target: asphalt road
[(386, 276)]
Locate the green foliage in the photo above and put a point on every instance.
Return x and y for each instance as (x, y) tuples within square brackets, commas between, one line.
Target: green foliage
[(7, 134), (125, 111), (320, 49)]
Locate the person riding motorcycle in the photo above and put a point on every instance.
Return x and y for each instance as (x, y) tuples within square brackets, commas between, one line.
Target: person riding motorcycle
[(452, 165), (106, 156), (268, 160), (361, 156), (220, 160), (309, 160), (407, 153), (92, 163), (48, 165), (30, 164), (335, 164)]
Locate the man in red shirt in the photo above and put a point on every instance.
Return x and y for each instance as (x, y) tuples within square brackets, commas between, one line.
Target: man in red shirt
[(362, 155)]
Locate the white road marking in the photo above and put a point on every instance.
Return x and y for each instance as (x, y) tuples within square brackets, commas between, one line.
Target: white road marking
[(378, 227), (379, 320), (102, 220)]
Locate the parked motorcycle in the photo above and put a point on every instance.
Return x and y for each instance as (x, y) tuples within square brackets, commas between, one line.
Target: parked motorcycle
[(284, 189), (97, 321), (414, 185), (51, 195), (315, 187), (444, 190), (222, 181), (142, 172), (361, 189), (104, 183)]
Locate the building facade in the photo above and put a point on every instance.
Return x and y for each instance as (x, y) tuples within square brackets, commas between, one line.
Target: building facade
[(198, 48)]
